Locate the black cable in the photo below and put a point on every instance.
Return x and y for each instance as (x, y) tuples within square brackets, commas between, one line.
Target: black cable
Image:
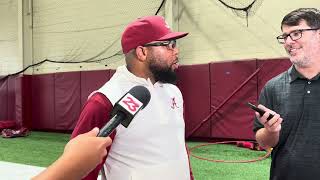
[(62, 62), (162, 3)]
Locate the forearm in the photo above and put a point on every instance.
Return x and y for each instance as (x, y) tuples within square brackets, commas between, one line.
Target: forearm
[(267, 139)]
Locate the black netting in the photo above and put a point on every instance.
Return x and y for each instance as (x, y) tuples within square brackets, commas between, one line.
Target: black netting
[(243, 8)]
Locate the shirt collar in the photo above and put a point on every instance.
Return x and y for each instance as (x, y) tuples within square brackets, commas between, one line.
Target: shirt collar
[(131, 77), (294, 74)]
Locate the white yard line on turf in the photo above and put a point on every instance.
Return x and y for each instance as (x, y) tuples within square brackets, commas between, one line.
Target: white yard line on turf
[(14, 171)]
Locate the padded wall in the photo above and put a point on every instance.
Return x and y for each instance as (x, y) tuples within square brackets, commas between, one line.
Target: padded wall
[(11, 98), (91, 81), (24, 114), (193, 83), (43, 99), (18, 101), (233, 118), (57, 98), (271, 68), (54, 101), (7, 98), (4, 100), (67, 100)]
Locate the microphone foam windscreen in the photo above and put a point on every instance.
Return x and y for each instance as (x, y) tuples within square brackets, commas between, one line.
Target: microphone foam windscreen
[(141, 93)]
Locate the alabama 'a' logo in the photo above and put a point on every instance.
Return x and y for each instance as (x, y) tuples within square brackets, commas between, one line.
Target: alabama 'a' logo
[(131, 104), (174, 103)]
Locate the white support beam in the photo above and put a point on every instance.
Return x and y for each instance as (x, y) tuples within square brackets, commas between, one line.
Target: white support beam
[(25, 45)]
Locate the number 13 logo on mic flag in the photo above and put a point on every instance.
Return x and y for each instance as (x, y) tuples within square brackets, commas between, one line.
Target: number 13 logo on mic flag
[(131, 104)]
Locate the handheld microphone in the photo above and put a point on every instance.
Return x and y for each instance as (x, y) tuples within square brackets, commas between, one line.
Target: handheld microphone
[(126, 108)]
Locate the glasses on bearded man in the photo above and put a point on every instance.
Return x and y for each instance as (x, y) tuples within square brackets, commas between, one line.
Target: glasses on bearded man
[(171, 44)]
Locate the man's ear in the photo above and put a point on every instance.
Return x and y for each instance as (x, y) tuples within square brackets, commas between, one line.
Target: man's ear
[(141, 53)]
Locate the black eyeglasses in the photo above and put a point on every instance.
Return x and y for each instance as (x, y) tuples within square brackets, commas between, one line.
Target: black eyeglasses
[(294, 35), (171, 44)]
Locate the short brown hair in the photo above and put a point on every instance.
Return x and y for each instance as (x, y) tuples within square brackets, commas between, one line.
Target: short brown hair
[(310, 15)]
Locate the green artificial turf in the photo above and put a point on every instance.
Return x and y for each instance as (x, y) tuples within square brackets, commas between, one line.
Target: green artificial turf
[(205, 170), (43, 148), (38, 149)]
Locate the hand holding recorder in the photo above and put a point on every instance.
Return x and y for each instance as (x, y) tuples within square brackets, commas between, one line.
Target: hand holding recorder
[(270, 119)]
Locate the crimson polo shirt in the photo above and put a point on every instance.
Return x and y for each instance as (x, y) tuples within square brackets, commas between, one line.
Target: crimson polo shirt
[(95, 113)]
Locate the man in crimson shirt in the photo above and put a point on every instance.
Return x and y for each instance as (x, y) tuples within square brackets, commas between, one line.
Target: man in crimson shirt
[(153, 146)]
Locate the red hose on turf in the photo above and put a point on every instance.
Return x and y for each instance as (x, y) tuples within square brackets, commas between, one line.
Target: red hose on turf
[(227, 161)]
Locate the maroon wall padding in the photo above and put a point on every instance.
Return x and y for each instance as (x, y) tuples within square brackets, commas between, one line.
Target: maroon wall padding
[(194, 85), (25, 114), (11, 98), (43, 101), (54, 101), (67, 100), (91, 81), (18, 102), (233, 119), (3, 99), (7, 99), (271, 68)]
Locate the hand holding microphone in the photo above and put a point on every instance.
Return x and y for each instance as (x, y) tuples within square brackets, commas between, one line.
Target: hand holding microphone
[(84, 152), (80, 156), (87, 148)]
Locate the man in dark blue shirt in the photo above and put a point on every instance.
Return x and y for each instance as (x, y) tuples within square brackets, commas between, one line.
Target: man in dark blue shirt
[(294, 99)]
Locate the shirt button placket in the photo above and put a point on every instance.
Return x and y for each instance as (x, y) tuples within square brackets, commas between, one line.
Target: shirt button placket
[(308, 91)]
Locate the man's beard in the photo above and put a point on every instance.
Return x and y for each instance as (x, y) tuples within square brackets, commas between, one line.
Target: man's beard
[(163, 74), (302, 63)]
